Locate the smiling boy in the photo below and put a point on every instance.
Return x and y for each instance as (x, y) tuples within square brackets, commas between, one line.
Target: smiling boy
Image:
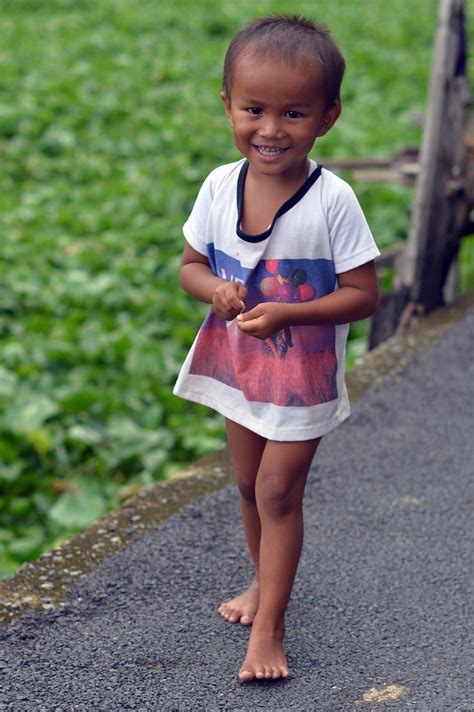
[(280, 237)]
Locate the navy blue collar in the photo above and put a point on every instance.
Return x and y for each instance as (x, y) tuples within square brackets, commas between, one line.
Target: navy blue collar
[(310, 181)]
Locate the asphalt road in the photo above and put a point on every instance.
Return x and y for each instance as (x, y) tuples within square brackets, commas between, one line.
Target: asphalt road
[(382, 598)]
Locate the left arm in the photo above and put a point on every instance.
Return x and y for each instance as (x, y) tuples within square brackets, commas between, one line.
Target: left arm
[(356, 298)]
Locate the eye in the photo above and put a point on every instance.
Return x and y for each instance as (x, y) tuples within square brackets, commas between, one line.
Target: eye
[(293, 114), (254, 110)]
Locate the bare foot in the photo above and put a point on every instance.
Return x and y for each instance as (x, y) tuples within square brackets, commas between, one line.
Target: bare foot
[(242, 608), (265, 659)]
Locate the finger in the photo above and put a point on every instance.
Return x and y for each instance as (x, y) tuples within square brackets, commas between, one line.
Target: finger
[(235, 303), (241, 307), (220, 309), (227, 304), (242, 292), (242, 322), (248, 326), (224, 314), (250, 315)]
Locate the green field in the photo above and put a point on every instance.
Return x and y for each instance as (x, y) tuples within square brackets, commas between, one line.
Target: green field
[(109, 120)]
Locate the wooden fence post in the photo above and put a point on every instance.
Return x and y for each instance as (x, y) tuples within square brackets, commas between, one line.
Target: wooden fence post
[(438, 213), (444, 193)]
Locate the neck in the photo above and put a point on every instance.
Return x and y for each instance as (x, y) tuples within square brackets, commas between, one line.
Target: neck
[(288, 181)]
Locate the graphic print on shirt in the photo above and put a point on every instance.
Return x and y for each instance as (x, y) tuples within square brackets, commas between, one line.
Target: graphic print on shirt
[(296, 366)]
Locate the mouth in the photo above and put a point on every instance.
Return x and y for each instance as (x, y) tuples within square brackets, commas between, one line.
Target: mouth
[(271, 151)]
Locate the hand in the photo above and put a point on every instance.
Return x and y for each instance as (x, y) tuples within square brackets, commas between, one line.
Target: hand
[(228, 300), (263, 321)]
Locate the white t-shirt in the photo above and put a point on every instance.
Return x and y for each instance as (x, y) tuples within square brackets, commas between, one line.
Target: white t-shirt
[(290, 386)]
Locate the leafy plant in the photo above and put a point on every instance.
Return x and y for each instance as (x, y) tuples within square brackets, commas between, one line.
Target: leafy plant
[(109, 121)]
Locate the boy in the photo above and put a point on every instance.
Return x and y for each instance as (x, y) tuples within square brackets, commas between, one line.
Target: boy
[(281, 249)]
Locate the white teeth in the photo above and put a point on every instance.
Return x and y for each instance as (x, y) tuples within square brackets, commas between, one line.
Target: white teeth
[(268, 150)]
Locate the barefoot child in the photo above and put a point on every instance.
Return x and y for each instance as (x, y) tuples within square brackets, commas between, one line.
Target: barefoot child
[(280, 248)]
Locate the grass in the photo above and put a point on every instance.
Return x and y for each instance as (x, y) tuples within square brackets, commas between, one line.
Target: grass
[(109, 121)]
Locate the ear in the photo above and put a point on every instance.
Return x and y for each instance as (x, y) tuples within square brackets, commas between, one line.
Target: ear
[(227, 107), (330, 118)]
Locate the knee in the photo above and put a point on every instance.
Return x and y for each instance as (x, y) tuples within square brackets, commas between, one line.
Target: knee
[(246, 484), (277, 496)]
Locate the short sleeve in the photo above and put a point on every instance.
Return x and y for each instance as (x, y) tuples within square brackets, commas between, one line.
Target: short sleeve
[(194, 228), (352, 243)]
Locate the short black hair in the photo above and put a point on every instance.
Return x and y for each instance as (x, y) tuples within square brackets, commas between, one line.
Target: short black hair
[(291, 38)]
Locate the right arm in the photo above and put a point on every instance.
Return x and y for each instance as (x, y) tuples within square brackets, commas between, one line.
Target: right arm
[(198, 280)]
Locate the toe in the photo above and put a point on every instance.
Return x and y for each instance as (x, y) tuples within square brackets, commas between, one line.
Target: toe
[(283, 671), (276, 672), (246, 620), (260, 672), (246, 674), (268, 672)]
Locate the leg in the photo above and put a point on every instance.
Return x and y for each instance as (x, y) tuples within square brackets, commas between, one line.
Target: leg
[(246, 449), (279, 489)]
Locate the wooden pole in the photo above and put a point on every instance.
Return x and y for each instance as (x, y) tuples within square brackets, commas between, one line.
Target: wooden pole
[(440, 206)]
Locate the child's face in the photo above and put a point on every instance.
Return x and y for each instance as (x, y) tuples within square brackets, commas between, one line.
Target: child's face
[(276, 112)]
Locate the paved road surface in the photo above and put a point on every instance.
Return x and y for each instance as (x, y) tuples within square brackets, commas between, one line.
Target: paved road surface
[(382, 594)]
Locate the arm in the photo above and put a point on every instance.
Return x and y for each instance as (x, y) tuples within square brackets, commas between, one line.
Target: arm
[(356, 298), (198, 280)]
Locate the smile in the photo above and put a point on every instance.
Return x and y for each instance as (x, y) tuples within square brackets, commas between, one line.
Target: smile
[(270, 150)]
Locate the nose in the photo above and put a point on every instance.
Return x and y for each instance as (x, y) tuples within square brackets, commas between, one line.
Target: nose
[(271, 127)]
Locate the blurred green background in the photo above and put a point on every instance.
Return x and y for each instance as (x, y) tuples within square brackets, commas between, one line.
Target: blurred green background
[(109, 121)]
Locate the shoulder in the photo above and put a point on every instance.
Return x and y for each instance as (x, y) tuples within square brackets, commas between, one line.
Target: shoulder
[(334, 186), (215, 195), (351, 240), (337, 196), (225, 175)]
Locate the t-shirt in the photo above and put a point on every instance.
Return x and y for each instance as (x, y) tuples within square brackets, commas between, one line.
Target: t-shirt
[(291, 385)]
